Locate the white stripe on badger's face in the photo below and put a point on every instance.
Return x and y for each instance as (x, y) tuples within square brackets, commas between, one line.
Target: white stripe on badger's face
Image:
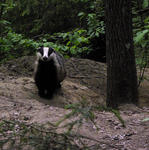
[(45, 54), (45, 51)]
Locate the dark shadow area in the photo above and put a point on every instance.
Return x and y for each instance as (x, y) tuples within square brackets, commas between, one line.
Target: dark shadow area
[(98, 52)]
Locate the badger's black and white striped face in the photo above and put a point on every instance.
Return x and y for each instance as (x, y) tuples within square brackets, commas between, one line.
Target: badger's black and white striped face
[(45, 53)]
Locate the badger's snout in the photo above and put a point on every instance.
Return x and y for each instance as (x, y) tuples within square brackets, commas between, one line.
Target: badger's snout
[(45, 58)]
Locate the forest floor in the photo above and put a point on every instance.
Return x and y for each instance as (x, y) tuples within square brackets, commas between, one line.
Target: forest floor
[(85, 81)]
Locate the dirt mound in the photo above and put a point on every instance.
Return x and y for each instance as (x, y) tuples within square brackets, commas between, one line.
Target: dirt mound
[(19, 67), (86, 72)]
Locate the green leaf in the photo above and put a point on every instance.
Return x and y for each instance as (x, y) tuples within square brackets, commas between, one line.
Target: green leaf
[(68, 43), (140, 36), (91, 15), (73, 50), (145, 3), (22, 42), (81, 14), (146, 119), (146, 20), (4, 22)]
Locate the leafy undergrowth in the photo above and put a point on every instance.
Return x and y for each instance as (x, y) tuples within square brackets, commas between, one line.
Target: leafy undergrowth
[(18, 135)]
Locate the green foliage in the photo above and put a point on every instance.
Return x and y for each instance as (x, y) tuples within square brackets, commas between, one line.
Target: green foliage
[(5, 6), (14, 45), (141, 31), (69, 44), (145, 4), (141, 38), (20, 135), (117, 114), (145, 120), (95, 27), (142, 53), (40, 17), (74, 43), (95, 22)]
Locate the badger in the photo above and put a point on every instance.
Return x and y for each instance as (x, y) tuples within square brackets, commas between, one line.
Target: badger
[(49, 71)]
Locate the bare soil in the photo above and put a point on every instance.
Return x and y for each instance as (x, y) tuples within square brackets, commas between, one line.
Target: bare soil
[(86, 80)]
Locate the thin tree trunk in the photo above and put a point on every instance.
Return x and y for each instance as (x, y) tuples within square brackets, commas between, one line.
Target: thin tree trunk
[(121, 67)]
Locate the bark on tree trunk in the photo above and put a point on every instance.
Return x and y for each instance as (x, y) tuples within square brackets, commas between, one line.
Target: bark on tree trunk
[(121, 67)]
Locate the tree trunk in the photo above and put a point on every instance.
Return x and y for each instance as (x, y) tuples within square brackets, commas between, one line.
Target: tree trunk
[(121, 66)]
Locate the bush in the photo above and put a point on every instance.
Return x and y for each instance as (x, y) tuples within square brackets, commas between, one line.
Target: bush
[(14, 45)]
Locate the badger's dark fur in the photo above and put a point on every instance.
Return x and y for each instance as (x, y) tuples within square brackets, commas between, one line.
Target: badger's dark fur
[(49, 71)]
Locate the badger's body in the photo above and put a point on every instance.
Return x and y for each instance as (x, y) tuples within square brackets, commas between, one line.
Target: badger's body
[(49, 71)]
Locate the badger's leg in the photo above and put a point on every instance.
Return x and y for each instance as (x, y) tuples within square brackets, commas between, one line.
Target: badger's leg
[(40, 86), (41, 89), (50, 92), (52, 89), (41, 92), (58, 85)]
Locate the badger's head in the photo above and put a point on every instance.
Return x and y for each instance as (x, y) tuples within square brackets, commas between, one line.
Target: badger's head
[(45, 53)]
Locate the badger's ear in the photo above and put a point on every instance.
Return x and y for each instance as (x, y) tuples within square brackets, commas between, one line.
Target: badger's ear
[(40, 50), (51, 49)]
